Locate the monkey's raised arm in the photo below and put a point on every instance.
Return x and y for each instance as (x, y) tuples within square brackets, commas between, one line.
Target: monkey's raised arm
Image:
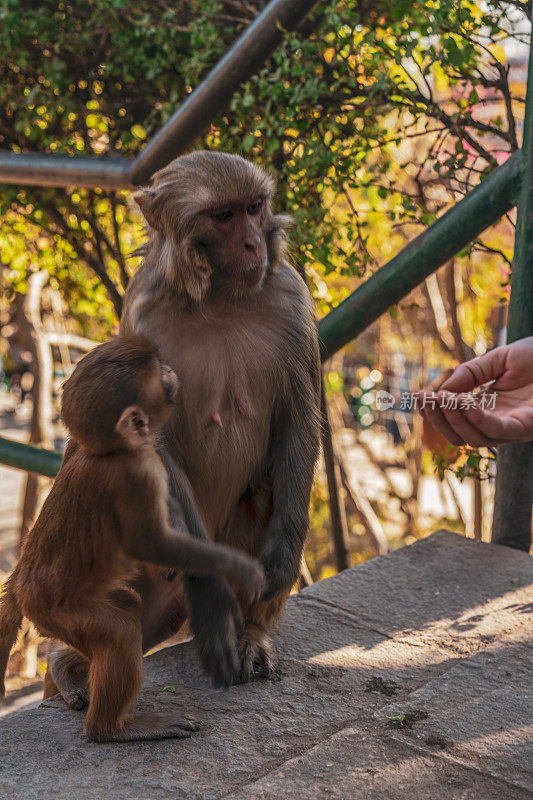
[(169, 548)]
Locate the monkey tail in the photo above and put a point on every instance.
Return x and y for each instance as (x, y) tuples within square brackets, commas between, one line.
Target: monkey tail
[(10, 622)]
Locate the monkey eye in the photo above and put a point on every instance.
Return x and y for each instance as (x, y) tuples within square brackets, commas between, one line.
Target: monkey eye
[(254, 208), (221, 214)]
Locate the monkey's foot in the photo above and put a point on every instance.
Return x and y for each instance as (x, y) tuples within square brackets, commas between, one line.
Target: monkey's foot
[(256, 660), (73, 688), (67, 674), (70, 685), (146, 727), (76, 697)]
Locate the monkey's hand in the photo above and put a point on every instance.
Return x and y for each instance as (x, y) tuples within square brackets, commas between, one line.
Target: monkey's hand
[(246, 573), (216, 622), (240, 569), (281, 565)]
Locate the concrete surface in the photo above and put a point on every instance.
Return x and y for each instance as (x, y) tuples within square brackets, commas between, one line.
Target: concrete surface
[(406, 677)]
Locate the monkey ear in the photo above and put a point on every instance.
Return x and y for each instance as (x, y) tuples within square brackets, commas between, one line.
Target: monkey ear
[(145, 200), (133, 426)]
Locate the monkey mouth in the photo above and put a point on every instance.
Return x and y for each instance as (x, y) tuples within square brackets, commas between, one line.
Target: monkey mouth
[(250, 276)]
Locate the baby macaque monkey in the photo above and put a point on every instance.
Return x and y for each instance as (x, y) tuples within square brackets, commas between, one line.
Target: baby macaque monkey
[(105, 515)]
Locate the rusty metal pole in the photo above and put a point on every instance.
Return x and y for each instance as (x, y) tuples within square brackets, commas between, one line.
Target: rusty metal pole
[(514, 479)]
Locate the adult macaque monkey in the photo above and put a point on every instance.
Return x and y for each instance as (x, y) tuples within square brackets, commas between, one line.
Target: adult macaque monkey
[(106, 513), (235, 321)]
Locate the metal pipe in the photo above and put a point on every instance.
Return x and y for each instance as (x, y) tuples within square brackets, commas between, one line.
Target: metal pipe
[(514, 477), (195, 114), (482, 207), (424, 255), (47, 169), (29, 458)]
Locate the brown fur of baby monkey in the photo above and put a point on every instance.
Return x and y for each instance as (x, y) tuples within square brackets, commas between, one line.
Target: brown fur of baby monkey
[(217, 297), (105, 516)]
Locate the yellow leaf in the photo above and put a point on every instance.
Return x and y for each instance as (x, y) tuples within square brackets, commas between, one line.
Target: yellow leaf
[(138, 131)]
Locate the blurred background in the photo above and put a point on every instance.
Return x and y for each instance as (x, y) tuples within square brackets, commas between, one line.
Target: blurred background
[(375, 117)]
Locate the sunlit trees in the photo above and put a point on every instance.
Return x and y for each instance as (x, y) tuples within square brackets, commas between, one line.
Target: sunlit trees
[(375, 116)]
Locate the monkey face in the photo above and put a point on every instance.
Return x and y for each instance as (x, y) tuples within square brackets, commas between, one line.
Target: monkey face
[(157, 390), (210, 224), (233, 236)]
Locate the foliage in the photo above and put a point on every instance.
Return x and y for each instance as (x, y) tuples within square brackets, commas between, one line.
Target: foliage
[(92, 78), (334, 113), (464, 462), (375, 117)]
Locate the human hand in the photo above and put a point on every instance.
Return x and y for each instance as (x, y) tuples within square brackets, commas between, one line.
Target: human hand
[(511, 419)]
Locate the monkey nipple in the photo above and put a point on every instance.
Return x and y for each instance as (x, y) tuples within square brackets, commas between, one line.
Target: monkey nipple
[(241, 405), (215, 416)]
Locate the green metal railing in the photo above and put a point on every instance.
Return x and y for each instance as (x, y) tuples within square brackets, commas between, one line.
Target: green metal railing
[(506, 186), (192, 118), (29, 457), (480, 209), (514, 477)]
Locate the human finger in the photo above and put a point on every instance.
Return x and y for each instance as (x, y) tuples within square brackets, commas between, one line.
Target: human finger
[(478, 371), (463, 427), (431, 411)]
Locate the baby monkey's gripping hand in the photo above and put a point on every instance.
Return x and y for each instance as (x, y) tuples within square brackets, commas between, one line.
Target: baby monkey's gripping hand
[(245, 572), (219, 560)]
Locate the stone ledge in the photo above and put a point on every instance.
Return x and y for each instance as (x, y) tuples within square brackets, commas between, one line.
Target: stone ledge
[(436, 634)]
